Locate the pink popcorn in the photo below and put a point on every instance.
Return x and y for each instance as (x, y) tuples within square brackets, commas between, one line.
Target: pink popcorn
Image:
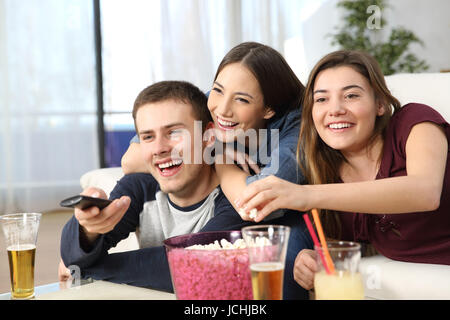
[(222, 274)]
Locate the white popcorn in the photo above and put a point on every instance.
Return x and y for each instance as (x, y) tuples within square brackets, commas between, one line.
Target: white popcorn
[(224, 244), (239, 244), (260, 242), (252, 215)]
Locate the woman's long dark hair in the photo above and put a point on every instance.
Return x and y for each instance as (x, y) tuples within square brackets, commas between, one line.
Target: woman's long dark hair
[(281, 89)]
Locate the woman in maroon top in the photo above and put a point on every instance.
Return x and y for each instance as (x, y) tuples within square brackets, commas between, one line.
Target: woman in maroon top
[(377, 171)]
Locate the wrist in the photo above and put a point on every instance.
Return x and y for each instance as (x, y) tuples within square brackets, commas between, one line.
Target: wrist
[(318, 196), (310, 197), (87, 238)]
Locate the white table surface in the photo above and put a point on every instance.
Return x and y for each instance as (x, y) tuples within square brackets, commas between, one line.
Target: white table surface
[(97, 290)]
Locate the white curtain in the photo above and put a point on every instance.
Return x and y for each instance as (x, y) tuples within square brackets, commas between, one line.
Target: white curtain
[(145, 41), (47, 102)]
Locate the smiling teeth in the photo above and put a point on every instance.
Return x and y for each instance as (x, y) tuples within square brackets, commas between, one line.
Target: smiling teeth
[(339, 125), (169, 164), (226, 123)]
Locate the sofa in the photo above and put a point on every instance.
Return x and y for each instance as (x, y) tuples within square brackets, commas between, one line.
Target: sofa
[(383, 278)]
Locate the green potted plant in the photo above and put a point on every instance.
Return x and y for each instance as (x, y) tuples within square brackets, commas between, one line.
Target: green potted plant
[(363, 30)]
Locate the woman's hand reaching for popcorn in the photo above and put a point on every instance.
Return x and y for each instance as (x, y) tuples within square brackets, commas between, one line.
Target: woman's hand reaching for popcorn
[(270, 194)]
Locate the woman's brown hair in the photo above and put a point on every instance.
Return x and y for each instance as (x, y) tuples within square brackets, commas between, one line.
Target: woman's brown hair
[(281, 89), (320, 163)]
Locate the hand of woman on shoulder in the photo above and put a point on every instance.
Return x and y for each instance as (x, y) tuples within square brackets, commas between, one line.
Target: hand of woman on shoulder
[(243, 160), (270, 194)]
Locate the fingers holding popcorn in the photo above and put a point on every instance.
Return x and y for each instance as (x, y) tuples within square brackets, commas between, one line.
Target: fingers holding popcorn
[(268, 195)]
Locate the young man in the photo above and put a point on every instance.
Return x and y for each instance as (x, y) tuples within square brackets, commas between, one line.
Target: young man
[(181, 195)]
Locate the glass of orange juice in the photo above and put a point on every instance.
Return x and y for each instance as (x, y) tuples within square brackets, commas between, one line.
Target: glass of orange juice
[(345, 283)]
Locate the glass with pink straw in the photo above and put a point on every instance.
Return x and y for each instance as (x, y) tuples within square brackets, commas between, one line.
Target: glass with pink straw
[(337, 276)]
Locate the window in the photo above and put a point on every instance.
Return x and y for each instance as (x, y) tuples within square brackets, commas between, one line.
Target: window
[(48, 136)]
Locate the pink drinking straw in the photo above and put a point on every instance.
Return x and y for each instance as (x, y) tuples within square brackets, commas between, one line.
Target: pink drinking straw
[(316, 241)]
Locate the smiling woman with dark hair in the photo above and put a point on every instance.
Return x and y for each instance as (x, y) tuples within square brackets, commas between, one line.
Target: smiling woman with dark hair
[(254, 88)]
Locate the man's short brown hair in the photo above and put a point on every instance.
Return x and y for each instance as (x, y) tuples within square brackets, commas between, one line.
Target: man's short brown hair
[(175, 90)]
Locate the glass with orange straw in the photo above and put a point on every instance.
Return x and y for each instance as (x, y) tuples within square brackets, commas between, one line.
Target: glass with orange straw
[(337, 276)]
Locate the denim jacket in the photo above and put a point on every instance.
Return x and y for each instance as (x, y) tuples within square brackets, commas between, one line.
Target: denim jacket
[(281, 150)]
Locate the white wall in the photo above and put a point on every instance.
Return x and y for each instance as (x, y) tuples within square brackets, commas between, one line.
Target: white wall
[(429, 20)]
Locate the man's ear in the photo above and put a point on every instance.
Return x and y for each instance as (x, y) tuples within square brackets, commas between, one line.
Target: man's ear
[(208, 135), (269, 113)]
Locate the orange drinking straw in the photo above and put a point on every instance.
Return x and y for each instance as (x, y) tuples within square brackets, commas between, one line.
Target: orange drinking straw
[(322, 240), (316, 241)]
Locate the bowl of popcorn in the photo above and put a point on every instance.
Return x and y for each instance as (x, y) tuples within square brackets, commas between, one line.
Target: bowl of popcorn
[(209, 266)]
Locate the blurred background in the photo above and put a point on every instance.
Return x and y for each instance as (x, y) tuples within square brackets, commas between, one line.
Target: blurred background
[(71, 69)]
